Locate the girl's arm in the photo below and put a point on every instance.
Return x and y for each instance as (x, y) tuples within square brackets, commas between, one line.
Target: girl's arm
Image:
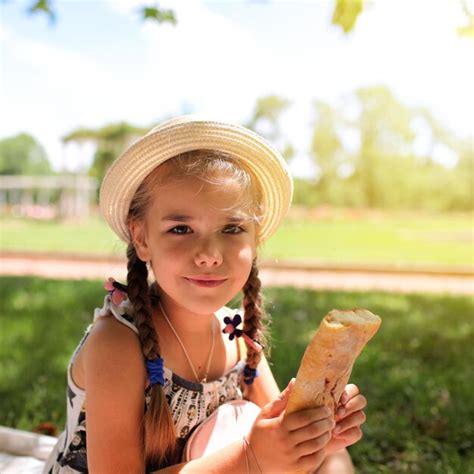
[(264, 387), (115, 381)]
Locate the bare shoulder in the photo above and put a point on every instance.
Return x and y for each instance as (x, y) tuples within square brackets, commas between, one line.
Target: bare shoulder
[(114, 378), (113, 346), (109, 337)]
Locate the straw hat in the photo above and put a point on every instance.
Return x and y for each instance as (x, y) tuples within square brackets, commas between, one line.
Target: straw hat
[(189, 133)]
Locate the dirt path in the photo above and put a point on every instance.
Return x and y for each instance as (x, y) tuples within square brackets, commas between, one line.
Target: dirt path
[(298, 275)]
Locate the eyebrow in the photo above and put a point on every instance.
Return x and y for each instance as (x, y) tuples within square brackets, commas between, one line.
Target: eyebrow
[(184, 218)]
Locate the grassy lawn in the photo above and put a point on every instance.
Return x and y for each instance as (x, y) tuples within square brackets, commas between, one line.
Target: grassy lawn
[(417, 372), (341, 237)]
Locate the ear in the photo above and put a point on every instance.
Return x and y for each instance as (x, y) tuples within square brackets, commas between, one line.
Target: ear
[(140, 242)]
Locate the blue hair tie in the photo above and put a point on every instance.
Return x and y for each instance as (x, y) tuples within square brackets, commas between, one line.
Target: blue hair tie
[(155, 371), (250, 374)]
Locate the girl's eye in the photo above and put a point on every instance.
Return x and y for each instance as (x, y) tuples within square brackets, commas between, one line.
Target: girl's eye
[(235, 227), (179, 227)]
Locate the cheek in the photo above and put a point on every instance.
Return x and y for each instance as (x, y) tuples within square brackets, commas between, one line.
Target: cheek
[(167, 249), (245, 254)]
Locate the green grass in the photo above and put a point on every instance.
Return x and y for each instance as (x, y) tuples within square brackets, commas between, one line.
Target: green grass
[(417, 372), (343, 236)]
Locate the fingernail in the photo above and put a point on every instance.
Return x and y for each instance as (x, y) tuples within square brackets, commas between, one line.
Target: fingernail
[(341, 411), (337, 429)]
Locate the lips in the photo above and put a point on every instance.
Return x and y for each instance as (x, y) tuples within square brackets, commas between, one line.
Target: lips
[(208, 282)]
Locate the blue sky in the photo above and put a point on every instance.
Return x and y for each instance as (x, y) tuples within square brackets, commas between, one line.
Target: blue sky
[(99, 63)]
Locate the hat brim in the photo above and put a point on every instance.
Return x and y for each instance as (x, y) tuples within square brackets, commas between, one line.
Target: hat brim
[(186, 134)]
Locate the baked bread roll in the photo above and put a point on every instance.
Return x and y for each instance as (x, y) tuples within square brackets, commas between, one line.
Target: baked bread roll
[(328, 359)]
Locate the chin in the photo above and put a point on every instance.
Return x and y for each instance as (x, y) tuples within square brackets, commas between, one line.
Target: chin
[(206, 307), (200, 302)]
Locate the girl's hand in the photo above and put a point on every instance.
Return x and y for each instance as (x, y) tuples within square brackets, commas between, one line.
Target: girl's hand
[(349, 417), (290, 443)]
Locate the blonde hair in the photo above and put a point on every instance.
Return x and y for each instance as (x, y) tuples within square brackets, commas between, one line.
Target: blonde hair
[(213, 168)]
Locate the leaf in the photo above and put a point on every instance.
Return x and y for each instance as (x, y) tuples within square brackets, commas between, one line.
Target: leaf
[(43, 6), (159, 15), (346, 13)]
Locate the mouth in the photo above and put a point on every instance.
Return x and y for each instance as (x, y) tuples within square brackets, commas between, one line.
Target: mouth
[(206, 283)]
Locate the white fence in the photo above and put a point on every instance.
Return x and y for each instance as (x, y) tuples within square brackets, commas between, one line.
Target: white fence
[(43, 197)]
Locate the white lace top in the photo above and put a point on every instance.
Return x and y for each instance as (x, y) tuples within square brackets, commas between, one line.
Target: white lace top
[(190, 402)]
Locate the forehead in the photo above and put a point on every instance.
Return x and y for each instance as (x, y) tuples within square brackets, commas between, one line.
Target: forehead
[(192, 196)]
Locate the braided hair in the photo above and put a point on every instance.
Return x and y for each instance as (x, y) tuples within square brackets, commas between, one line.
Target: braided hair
[(255, 322), (158, 430)]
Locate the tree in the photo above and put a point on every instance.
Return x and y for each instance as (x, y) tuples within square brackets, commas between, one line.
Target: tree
[(384, 128), (22, 154), (265, 120), (147, 12), (388, 172), (327, 149), (111, 140), (345, 12), (467, 30)]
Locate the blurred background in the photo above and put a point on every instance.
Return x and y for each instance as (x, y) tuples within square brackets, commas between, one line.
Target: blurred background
[(372, 106)]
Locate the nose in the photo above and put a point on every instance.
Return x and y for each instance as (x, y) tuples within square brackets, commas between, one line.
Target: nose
[(208, 253)]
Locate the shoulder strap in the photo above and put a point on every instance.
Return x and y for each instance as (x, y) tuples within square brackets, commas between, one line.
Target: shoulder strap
[(120, 312)]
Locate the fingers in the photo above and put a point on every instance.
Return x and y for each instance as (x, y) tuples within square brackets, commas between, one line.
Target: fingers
[(313, 445), (352, 421), (312, 431), (357, 403), (349, 415), (303, 418), (350, 391), (311, 462), (350, 436)]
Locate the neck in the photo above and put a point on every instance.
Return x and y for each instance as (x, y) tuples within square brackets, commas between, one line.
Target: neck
[(186, 323)]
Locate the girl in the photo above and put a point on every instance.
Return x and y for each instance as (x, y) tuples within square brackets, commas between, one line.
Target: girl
[(193, 199)]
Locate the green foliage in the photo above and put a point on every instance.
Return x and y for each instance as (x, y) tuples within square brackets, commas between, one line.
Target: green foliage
[(327, 149), (22, 154), (150, 12), (43, 6), (265, 121), (159, 15), (467, 30), (416, 372), (110, 139), (383, 170), (346, 13)]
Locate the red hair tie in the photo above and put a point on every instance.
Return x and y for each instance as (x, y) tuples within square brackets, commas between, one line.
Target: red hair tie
[(117, 291)]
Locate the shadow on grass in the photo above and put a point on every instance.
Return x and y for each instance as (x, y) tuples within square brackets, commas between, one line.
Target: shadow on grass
[(416, 373)]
